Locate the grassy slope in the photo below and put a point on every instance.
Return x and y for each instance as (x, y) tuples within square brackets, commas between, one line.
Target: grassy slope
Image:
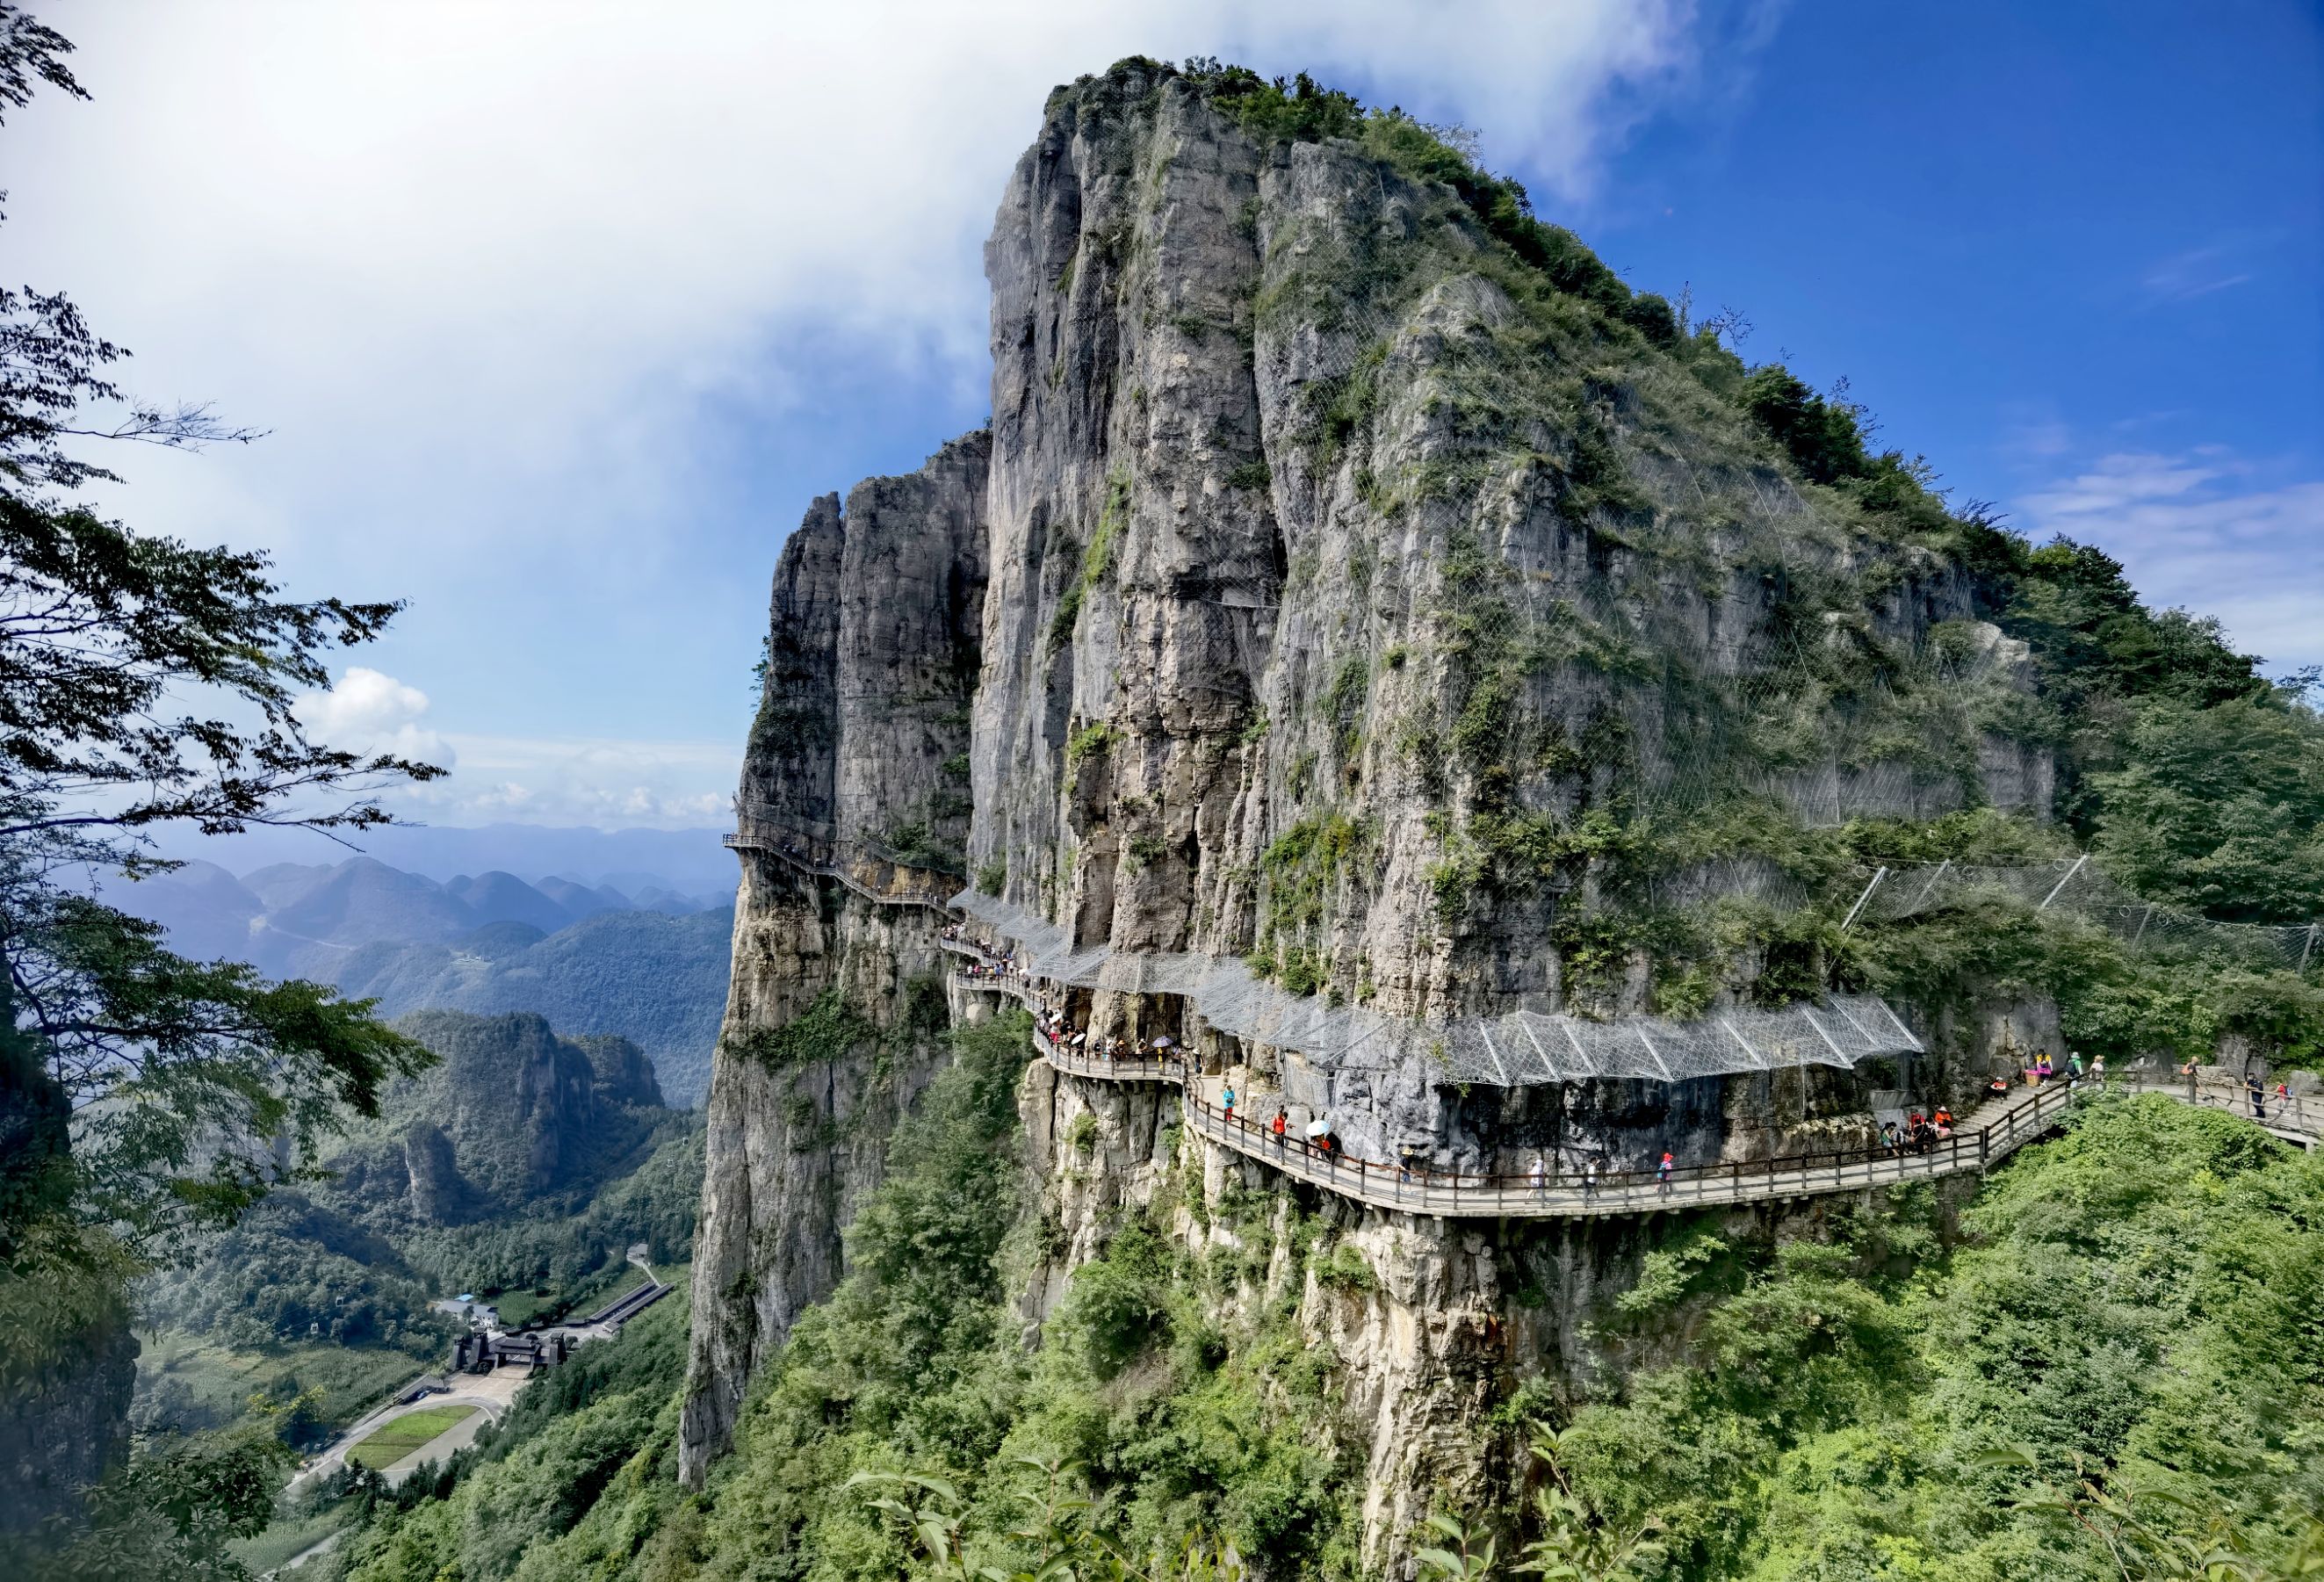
[(199, 1384)]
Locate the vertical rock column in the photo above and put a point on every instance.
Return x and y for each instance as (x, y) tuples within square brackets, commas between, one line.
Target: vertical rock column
[(862, 735)]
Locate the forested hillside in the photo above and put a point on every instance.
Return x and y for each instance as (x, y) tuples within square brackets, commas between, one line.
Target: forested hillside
[(650, 967), (658, 980), (2105, 1350), (523, 1167)]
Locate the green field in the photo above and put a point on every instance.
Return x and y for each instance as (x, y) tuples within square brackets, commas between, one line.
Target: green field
[(521, 1307), (392, 1442)]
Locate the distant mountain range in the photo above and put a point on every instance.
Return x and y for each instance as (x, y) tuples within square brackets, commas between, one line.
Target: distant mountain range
[(293, 917), (690, 862), (656, 979), (629, 954)]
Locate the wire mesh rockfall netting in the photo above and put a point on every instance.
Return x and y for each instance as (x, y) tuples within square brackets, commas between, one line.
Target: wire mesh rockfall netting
[(2078, 887), (1520, 1049)]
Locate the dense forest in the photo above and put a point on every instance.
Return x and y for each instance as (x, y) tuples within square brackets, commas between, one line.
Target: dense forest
[(557, 1156)]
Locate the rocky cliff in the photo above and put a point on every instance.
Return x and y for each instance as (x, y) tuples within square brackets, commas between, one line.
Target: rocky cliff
[(514, 1119), (1359, 583), (834, 1017)]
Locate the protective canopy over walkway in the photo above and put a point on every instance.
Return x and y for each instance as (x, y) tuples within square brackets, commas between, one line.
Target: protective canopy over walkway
[(1520, 1049), (1981, 1141)]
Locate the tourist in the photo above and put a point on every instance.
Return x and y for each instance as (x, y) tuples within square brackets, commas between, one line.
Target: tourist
[(1998, 1088), (1535, 1174), (2073, 1069), (1277, 1124), (1888, 1138), (1944, 1117), (1663, 1175), (1589, 1177), (1226, 1097), (2098, 1069), (2257, 1094)]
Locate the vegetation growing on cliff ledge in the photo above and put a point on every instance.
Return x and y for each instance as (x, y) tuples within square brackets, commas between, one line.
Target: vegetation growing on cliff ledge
[(2123, 1323)]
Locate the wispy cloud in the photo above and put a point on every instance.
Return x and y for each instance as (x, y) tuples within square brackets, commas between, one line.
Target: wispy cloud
[(2196, 273), (582, 779), (2031, 432), (2208, 529)]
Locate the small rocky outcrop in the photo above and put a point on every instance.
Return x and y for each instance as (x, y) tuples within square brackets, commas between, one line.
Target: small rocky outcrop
[(438, 1195)]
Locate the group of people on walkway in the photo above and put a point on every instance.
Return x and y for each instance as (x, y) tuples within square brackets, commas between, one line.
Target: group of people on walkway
[(1919, 1134), (989, 965), (2256, 1094), (2042, 1069), (1052, 1025), (1538, 1175)]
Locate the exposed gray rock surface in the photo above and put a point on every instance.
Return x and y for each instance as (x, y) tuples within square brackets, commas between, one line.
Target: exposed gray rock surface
[(1329, 592), (862, 730)]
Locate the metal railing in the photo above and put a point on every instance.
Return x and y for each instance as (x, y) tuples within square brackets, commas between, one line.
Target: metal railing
[(1984, 1139), (875, 871)]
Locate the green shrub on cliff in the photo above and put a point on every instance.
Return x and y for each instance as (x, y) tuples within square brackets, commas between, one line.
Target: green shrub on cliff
[(2128, 1305)]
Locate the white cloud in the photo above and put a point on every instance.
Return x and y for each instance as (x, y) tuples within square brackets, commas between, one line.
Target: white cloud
[(367, 711), (567, 781), (438, 245), (2208, 530), (512, 284), (362, 702)]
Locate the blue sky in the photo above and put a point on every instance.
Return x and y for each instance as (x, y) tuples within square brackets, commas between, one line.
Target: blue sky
[(557, 323)]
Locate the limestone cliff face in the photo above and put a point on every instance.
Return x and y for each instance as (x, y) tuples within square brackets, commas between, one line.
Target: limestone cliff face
[(1341, 574), (1336, 591), (860, 735)]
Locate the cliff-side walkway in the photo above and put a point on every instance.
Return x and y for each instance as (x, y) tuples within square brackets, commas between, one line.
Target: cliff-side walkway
[(1982, 1140)]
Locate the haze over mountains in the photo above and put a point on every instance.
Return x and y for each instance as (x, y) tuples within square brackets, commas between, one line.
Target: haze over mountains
[(690, 861), (629, 953)]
